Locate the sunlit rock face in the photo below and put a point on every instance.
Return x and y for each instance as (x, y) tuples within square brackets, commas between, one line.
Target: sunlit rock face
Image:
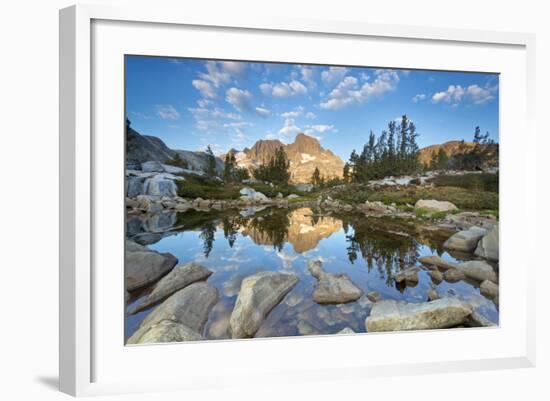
[(302, 229), (304, 154)]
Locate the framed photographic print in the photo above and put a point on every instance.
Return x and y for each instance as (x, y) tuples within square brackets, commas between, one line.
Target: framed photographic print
[(338, 188)]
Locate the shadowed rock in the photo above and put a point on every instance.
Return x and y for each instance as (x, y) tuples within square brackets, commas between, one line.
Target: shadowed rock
[(145, 267), (188, 307), (332, 288), (259, 294), (180, 277), (476, 320), (396, 316), (465, 241), (487, 247)]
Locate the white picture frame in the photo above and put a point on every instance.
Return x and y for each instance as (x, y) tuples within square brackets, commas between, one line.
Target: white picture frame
[(82, 345)]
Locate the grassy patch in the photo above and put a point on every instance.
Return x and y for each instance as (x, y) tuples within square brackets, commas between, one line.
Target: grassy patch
[(475, 182), (201, 187)]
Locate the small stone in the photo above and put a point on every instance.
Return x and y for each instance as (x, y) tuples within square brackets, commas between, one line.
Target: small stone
[(409, 275), (374, 296), (489, 289), (454, 275), (432, 295), (436, 275)]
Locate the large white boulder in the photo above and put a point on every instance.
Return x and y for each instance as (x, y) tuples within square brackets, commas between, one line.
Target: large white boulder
[(249, 194), (259, 294), (432, 205), (393, 315), (152, 167), (465, 240)]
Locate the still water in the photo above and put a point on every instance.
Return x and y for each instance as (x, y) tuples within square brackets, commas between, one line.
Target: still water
[(370, 250)]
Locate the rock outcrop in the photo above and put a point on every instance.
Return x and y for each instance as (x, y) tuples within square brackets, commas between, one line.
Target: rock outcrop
[(179, 277), (143, 267), (436, 261), (180, 318), (397, 316), (478, 270), (259, 294), (332, 288)]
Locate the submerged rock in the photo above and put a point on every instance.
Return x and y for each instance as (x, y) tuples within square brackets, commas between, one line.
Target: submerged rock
[(436, 261), (189, 307), (454, 275), (487, 247), (393, 315), (465, 241), (374, 296), (145, 267), (409, 275), (180, 277), (259, 294), (432, 205), (332, 288)]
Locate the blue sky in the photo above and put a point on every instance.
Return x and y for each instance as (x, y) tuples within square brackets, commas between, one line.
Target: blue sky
[(192, 103)]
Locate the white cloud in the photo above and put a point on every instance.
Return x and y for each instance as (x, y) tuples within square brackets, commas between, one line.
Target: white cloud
[(480, 95), (283, 89), (240, 99), (307, 76), (211, 119), (167, 112), (289, 129), (204, 102), (205, 88), (321, 128), (262, 112), (310, 115), (419, 97), (334, 74), (348, 91), (453, 94), (473, 93)]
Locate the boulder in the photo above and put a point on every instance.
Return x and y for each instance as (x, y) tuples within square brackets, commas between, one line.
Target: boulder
[(259, 294), (304, 187), (431, 205), (332, 288), (393, 315), (145, 267), (454, 275), (292, 196), (250, 195), (152, 167), (132, 246), (465, 241), (478, 270), (168, 331), (489, 289), (487, 247), (409, 275), (377, 207), (189, 307), (436, 261), (134, 186), (180, 277)]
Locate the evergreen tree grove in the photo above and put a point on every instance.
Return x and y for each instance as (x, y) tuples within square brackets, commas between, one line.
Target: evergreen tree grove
[(394, 152)]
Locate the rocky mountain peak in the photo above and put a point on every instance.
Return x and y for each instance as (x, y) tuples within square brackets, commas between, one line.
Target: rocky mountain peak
[(305, 144), (264, 150)]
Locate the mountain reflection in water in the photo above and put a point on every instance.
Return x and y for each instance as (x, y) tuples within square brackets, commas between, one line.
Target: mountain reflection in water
[(235, 244)]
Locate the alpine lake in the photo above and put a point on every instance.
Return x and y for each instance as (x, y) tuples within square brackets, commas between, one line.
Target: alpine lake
[(237, 243)]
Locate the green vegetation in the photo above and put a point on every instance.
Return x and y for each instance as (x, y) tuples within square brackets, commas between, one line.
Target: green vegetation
[(465, 199), (316, 177), (476, 182), (210, 168), (439, 160), (177, 161), (231, 172), (394, 152), (276, 171), (207, 188)]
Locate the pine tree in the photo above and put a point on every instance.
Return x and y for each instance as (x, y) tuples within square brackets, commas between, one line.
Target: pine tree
[(316, 177), (442, 159), (229, 167), (346, 172), (210, 168)]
